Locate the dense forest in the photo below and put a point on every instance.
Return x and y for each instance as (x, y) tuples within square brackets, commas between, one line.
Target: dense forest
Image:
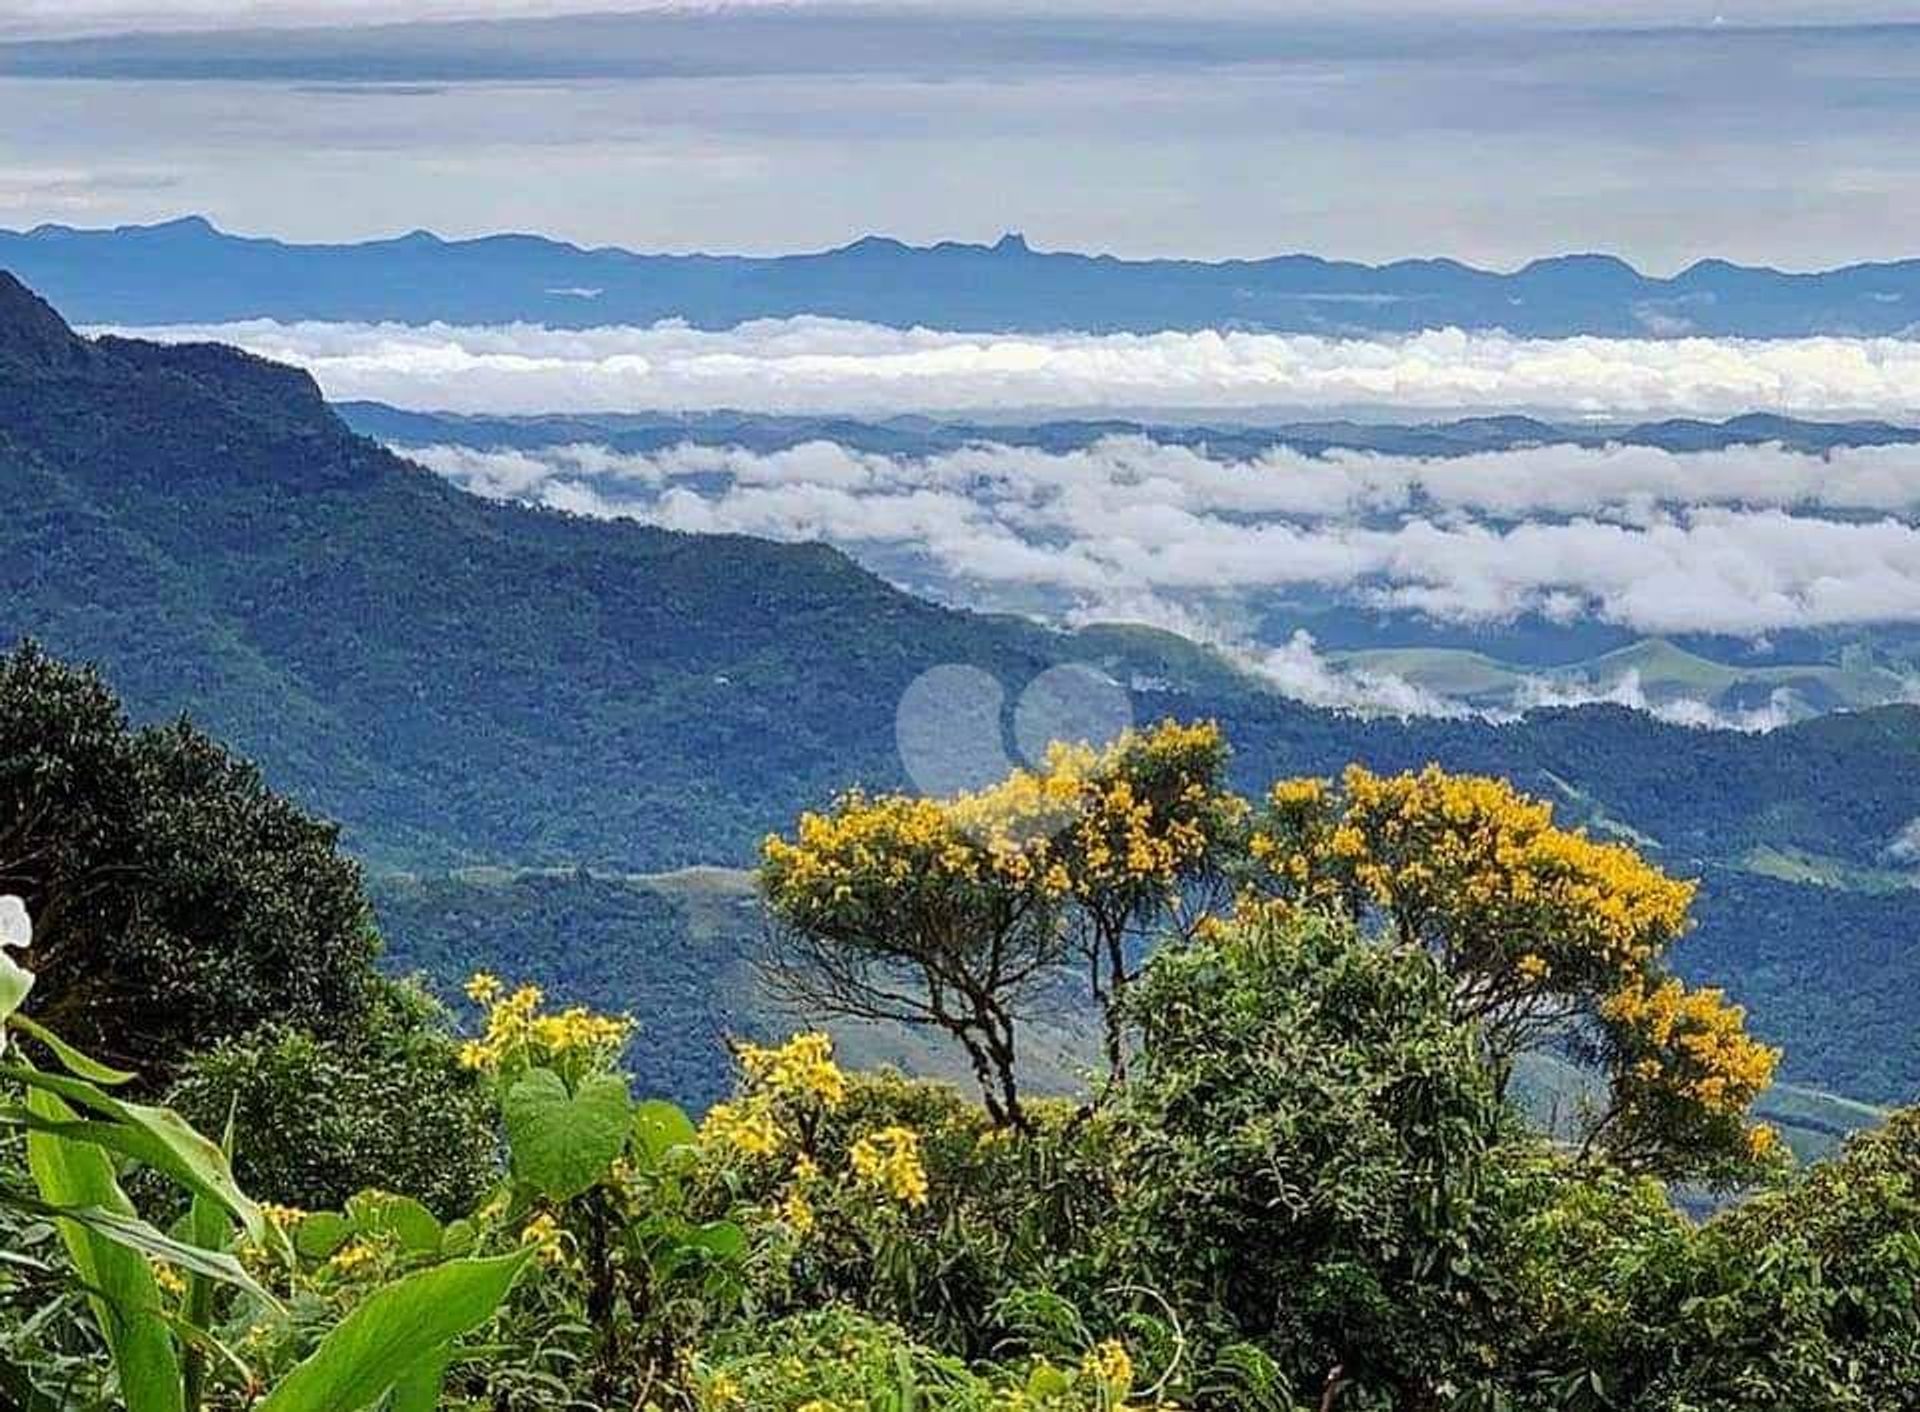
[(241, 1167)]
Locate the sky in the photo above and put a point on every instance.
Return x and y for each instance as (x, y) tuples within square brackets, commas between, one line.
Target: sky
[(66, 17), (1485, 130)]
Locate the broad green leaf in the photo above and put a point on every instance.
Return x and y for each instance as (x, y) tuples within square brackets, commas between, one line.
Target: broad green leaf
[(149, 1240), (563, 1143), (392, 1333), (79, 1176), (384, 1213), (318, 1235), (206, 1226), (658, 1128), (71, 1059), (419, 1390), (159, 1137)]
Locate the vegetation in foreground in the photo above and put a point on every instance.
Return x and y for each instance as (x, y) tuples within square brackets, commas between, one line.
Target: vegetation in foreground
[(1297, 1181)]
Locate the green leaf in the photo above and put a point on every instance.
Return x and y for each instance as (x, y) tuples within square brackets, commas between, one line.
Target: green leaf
[(563, 1143), (318, 1235), (78, 1176), (159, 1137), (392, 1333), (419, 1390), (720, 1238), (71, 1059), (658, 1128), (384, 1213), (149, 1240)]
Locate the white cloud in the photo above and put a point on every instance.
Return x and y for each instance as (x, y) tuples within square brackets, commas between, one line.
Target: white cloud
[(1743, 542), (1298, 670), (1781, 708), (1905, 847), (808, 365)]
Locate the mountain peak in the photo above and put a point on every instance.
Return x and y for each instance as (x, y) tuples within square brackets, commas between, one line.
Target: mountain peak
[(30, 330)]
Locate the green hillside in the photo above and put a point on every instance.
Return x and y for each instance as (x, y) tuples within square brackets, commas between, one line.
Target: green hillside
[(467, 684), (1663, 671)]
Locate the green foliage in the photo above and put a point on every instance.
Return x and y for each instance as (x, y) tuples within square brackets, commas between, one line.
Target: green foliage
[(397, 1334), (398, 1340), (177, 900), (1307, 1142), (319, 1119), (564, 1142)]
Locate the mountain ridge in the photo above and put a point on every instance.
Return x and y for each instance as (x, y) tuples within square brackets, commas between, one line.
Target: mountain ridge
[(188, 270)]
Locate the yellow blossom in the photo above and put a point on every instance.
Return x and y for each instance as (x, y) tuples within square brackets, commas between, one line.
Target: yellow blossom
[(889, 1161)]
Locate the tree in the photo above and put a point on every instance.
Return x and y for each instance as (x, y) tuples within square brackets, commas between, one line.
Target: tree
[(178, 900), (1304, 1147), (1545, 934), (1147, 851), (926, 912), (318, 1119), (955, 912)]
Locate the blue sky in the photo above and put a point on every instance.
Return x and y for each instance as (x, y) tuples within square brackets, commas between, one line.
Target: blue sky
[(1483, 129)]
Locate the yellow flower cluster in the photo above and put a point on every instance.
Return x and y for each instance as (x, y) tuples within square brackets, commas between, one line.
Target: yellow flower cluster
[(516, 1029), (543, 1233), (1109, 1364), (167, 1278), (1698, 1041), (889, 1161), (351, 1258), (284, 1217), (802, 1069), (786, 1085), (1471, 859), (747, 1127)]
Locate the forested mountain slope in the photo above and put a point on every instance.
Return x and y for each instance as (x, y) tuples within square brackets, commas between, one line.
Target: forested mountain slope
[(464, 682)]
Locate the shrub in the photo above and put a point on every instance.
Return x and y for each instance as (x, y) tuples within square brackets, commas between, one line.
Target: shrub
[(318, 1119)]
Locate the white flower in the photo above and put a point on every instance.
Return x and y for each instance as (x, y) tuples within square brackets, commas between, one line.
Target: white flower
[(16, 927)]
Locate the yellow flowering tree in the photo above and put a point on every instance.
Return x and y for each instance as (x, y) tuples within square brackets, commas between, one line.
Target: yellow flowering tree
[(922, 911), (951, 912), (1545, 933), (1684, 1074), (1154, 826)]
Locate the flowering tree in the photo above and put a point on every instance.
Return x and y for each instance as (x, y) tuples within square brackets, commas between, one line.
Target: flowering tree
[(951, 912), (1544, 932)]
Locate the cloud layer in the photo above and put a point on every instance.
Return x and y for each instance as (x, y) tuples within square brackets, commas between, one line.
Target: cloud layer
[(814, 365), (1747, 541)]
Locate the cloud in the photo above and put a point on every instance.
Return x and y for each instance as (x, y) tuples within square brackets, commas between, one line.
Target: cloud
[(1781, 708), (68, 16), (1745, 542), (1905, 847), (1298, 670), (817, 365)]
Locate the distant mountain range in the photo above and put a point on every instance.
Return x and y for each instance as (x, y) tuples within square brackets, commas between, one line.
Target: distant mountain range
[(928, 436), (187, 271)]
